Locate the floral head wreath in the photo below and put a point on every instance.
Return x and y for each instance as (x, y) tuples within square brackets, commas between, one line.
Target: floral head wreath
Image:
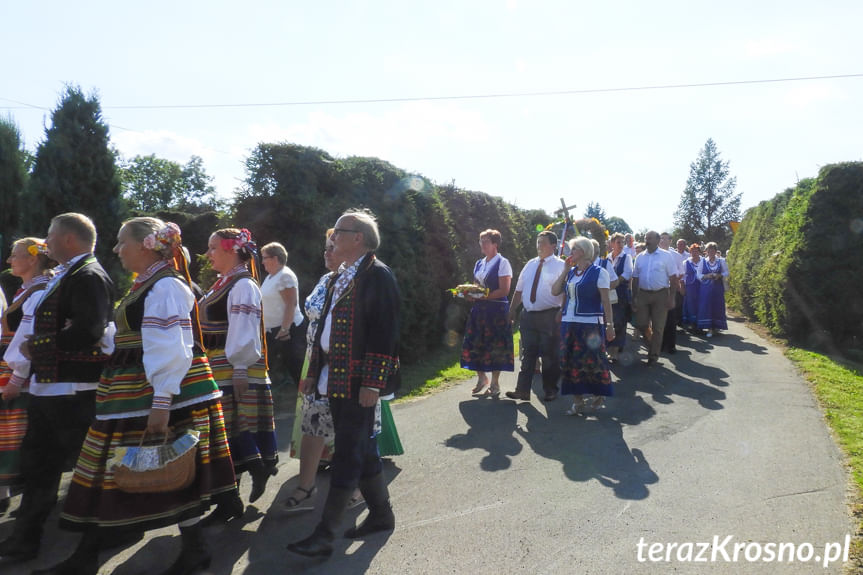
[(242, 243), (165, 240), (37, 248)]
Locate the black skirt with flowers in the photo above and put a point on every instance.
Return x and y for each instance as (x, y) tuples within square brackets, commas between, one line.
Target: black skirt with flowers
[(583, 361), (487, 342)]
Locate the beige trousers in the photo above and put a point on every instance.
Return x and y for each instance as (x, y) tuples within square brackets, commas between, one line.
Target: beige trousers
[(653, 308)]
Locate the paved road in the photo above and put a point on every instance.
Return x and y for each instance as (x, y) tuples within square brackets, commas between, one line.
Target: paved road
[(722, 439)]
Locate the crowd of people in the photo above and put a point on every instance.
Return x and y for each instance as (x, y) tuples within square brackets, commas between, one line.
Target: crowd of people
[(574, 318), (84, 383)]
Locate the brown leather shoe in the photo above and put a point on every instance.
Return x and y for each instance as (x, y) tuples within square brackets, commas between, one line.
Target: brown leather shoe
[(524, 396)]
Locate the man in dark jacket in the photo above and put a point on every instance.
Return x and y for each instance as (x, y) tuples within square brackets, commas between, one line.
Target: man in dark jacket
[(354, 361), (66, 361)]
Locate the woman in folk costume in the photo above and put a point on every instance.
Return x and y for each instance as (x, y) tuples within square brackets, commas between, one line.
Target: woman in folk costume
[(711, 298), (487, 344), (693, 285), (232, 325), (29, 261), (586, 325), (156, 381)]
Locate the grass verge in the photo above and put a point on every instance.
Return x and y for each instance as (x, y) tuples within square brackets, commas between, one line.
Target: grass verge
[(839, 389), (439, 368)]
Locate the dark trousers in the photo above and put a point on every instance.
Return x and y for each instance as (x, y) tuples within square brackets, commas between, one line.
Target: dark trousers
[(669, 334), (56, 429), (619, 314), (356, 450), (540, 337), (285, 357)]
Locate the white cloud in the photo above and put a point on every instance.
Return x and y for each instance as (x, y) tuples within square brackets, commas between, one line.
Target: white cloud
[(162, 143), (409, 127), (520, 65), (804, 95), (767, 47)]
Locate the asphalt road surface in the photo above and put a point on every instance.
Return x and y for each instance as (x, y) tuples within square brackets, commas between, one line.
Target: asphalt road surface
[(720, 446)]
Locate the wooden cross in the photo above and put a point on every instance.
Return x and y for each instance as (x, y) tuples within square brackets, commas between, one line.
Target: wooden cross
[(567, 220)]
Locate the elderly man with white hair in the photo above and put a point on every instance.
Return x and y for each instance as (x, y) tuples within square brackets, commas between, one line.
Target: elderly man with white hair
[(354, 361)]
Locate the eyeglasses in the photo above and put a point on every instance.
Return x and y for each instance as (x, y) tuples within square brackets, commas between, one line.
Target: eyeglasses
[(343, 230)]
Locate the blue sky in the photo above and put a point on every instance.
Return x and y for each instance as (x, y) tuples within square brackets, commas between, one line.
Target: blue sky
[(628, 150)]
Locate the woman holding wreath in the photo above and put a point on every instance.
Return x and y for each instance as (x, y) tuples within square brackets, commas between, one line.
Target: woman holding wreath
[(487, 342), (157, 380), (586, 325), (29, 261), (232, 326)]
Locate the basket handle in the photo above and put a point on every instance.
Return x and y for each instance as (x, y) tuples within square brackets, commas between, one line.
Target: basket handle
[(144, 435)]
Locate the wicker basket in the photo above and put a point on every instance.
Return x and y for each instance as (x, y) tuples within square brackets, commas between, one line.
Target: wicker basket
[(175, 470)]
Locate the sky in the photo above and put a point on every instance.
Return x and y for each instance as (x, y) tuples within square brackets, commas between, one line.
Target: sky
[(177, 79)]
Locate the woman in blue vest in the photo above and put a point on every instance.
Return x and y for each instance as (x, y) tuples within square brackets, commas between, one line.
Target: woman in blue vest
[(487, 342), (586, 325), (711, 297), (693, 287)]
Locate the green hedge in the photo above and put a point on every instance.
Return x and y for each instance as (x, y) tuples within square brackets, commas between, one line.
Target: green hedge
[(429, 234), (796, 261)]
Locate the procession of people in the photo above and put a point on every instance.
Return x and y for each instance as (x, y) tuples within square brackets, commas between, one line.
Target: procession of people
[(121, 395)]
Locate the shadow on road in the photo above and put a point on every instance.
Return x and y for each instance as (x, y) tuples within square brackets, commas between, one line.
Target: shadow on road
[(597, 451), (491, 424)]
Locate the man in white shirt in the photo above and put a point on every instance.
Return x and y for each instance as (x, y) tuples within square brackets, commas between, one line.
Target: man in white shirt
[(629, 246), (654, 283), (540, 322), (66, 360), (669, 334)]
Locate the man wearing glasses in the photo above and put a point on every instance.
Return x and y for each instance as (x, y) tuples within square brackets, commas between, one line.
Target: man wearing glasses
[(354, 361)]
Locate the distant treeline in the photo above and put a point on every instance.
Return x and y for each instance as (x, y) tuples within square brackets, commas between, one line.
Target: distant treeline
[(796, 262)]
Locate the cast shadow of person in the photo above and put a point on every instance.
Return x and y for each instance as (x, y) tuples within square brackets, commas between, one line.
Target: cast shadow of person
[(490, 430), (685, 365), (737, 343), (598, 451), (267, 554), (663, 383)]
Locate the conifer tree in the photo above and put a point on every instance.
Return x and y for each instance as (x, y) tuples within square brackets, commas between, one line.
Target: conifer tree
[(13, 182), (75, 171), (708, 202)]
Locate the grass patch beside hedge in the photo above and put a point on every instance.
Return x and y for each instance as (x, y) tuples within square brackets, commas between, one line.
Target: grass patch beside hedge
[(438, 368), (839, 389)]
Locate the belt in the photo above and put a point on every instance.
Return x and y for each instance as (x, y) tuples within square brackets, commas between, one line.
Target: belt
[(555, 309), (652, 290)]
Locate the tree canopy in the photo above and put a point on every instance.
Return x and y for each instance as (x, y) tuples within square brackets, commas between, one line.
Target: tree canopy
[(13, 181), (594, 210), (152, 183), (709, 201), (75, 171), (615, 224)]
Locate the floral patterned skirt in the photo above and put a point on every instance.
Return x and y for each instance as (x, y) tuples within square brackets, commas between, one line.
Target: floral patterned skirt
[(583, 361), (487, 342)]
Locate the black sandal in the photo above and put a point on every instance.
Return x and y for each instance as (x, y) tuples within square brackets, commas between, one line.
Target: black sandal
[(293, 502)]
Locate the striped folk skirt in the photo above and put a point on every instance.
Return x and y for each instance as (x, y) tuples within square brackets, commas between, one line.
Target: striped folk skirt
[(250, 423), (95, 500), (13, 426)]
